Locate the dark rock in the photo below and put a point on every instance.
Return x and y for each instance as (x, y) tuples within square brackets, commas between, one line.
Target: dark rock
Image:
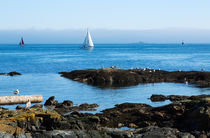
[(173, 98), (13, 73), (51, 101), (118, 77), (157, 98), (2, 108), (65, 104), (87, 106), (77, 113), (177, 97), (199, 97), (37, 106), (68, 103), (165, 132), (19, 107), (183, 118)]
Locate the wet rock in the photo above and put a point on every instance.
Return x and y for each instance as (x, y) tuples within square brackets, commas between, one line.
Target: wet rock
[(77, 113), (6, 135), (72, 134), (158, 98), (2, 108), (185, 118), (37, 106), (19, 107), (173, 98), (65, 104), (13, 73), (51, 101), (87, 106), (199, 97), (110, 77), (165, 132), (177, 98), (118, 133)]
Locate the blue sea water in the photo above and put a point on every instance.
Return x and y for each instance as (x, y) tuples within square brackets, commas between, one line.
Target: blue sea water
[(40, 64)]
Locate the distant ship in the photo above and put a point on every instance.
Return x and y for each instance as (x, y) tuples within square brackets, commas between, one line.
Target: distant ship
[(88, 43), (21, 42), (182, 42)]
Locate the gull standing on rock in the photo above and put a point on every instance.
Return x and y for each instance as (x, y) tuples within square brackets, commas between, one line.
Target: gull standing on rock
[(16, 92), (28, 104)]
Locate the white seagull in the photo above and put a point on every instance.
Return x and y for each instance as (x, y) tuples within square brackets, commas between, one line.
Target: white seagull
[(28, 104), (186, 82), (16, 92)]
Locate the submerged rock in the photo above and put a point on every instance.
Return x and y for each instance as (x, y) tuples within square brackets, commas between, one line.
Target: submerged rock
[(11, 73)]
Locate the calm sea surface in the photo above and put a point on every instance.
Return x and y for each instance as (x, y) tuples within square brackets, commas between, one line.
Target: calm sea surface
[(40, 65)]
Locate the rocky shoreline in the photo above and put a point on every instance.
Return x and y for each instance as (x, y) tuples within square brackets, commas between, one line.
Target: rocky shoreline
[(185, 117), (110, 77)]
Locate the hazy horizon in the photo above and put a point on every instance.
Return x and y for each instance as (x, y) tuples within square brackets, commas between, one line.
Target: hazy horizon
[(64, 21), (105, 36)]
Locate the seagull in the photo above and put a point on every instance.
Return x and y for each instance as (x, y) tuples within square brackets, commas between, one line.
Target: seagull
[(28, 104), (16, 92), (186, 82)]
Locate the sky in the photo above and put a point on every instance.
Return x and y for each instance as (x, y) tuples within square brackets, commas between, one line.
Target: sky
[(161, 21)]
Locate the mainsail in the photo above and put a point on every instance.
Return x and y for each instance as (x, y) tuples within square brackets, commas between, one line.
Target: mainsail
[(21, 42), (88, 41)]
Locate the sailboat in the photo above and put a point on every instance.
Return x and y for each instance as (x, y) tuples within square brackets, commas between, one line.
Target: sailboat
[(88, 43), (21, 42)]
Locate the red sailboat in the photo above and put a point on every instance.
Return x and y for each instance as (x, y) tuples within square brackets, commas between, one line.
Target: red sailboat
[(21, 42)]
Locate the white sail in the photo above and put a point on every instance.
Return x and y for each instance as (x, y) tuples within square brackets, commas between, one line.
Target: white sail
[(88, 40)]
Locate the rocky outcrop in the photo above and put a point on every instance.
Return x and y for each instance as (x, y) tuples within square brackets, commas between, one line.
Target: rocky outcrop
[(172, 98), (190, 116), (51, 101), (119, 77), (183, 118), (27, 121), (68, 106), (11, 73)]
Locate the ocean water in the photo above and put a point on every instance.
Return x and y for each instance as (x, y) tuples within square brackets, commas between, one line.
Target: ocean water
[(40, 64)]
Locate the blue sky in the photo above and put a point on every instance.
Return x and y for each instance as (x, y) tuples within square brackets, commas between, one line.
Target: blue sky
[(24, 16)]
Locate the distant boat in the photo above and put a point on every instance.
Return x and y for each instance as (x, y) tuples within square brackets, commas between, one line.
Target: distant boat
[(21, 42), (88, 43), (182, 42)]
